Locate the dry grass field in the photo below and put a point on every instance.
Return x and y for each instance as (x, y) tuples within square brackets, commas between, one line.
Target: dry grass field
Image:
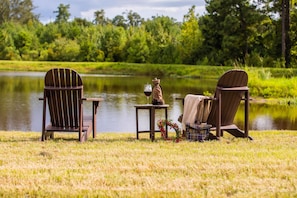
[(118, 165)]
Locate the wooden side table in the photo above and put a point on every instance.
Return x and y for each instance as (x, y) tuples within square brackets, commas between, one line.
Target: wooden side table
[(152, 109)]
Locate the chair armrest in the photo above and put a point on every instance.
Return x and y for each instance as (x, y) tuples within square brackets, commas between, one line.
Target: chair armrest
[(245, 88), (207, 99), (210, 98), (93, 99), (95, 104)]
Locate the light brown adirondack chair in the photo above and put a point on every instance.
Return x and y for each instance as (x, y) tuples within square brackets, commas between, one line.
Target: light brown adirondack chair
[(230, 91), (63, 94)]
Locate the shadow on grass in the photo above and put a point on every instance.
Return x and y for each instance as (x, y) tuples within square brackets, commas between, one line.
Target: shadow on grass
[(11, 137)]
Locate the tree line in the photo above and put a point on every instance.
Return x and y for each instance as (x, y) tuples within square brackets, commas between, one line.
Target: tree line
[(231, 32)]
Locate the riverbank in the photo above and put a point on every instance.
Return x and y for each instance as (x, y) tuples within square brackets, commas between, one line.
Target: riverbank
[(173, 70), (116, 68), (118, 165), (271, 84)]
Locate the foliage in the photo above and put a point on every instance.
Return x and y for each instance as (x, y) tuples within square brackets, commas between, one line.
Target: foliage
[(263, 84), (162, 39), (231, 27), (99, 16), (63, 50), (293, 36), (62, 13), (137, 48), (191, 38), (231, 32), (113, 43), (18, 11)]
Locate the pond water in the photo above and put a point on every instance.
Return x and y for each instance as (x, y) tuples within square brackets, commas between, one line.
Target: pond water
[(21, 110)]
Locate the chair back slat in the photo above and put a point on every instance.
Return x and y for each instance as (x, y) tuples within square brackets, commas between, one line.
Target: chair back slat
[(64, 90), (230, 100)]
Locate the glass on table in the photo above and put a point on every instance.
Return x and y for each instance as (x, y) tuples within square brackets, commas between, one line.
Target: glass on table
[(147, 91)]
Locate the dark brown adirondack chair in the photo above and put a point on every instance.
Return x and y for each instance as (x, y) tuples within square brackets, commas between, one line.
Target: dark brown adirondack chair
[(63, 93), (231, 89)]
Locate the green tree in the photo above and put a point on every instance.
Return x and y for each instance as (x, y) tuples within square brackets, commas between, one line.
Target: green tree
[(162, 38), (48, 33), (82, 22), (286, 43), (120, 21), (113, 43), (4, 11), (137, 48), (63, 49), (134, 19), (63, 13), (7, 48), (72, 30), (283, 9), (191, 38), (90, 44), (100, 18), (26, 41), (293, 37), (20, 11), (23, 42), (229, 28)]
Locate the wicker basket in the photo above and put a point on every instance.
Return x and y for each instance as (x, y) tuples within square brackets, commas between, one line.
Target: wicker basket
[(197, 132)]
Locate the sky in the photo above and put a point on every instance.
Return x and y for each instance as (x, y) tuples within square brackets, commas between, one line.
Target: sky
[(145, 8)]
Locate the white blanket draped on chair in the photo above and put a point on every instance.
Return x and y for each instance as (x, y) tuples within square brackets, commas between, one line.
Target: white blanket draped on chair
[(196, 110)]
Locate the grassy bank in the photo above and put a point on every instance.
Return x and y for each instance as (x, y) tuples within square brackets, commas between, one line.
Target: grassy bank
[(277, 83), (117, 68), (173, 70), (117, 165)]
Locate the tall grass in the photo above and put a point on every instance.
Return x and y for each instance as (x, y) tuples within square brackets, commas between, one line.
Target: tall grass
[(277, 83), (116, 68), (118, 165), (263, 84)]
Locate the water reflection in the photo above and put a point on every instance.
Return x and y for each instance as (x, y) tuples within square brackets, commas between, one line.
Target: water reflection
[(263, 122), (21, 110)]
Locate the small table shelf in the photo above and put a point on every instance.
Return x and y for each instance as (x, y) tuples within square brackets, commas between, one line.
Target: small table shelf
[(152, 109)]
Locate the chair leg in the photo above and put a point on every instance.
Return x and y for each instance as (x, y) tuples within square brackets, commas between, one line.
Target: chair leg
[(83, 137), (90, 131), (47, 135), (42, 136)]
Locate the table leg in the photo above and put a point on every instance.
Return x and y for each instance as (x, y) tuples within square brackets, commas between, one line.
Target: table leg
[(137, 124), (152, 124), (94, 118), (246, 114), (219, 116), (166, 118)]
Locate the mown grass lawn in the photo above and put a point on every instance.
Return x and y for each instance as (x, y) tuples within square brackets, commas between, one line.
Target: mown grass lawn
[(118, 165)]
